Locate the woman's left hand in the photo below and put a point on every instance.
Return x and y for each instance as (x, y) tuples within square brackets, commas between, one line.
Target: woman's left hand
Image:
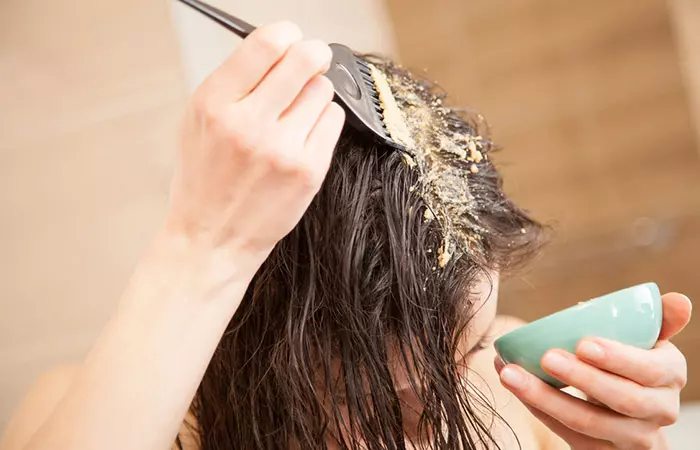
[(632, 393)]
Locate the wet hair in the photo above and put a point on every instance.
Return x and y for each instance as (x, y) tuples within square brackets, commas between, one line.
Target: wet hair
[(307, 353)]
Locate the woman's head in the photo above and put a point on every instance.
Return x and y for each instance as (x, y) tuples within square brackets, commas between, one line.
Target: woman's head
[(380, 288)]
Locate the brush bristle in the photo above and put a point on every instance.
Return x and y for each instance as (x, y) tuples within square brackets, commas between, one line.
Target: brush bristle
[(371, 90), (392, 117)]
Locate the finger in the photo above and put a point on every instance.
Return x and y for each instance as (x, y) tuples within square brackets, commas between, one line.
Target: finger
[(322, 140), (575, 414), (661, 366), (677, 310), (594, 401), (498, 364), (282, 85), (251, 61), (574, 439), (619, 394), (303, 114)]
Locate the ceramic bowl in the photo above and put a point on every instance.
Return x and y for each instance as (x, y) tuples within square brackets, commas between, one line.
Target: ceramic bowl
[(631, 316)]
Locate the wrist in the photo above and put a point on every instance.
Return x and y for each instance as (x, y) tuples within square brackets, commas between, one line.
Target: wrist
[(196, 272), (199, 242)]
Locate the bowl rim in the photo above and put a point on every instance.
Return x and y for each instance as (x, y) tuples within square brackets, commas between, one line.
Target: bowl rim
[(572, 310)]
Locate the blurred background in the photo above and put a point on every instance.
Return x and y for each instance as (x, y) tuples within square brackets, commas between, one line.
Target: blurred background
[(596, 104)]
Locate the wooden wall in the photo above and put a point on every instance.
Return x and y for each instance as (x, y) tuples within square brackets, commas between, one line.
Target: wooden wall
[(685, 15), (590, 103)]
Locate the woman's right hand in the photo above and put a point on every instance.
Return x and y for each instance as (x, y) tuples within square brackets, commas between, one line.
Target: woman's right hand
[(256, 144)]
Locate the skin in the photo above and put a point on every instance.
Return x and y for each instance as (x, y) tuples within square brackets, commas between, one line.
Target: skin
[(477, 353), (257, 139), (632, 393)]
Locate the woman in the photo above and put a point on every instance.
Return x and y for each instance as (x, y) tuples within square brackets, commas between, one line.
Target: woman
[(276, 310)]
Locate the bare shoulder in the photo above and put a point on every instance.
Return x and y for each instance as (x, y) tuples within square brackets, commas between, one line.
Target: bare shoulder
[(40, 401)]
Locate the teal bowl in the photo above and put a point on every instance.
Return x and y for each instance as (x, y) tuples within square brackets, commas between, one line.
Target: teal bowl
[(631, 316)]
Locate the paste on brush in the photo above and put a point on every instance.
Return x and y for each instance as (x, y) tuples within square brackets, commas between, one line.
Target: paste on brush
[(442, 148)]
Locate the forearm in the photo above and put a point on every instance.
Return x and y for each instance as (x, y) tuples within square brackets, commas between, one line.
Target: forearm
[(138, 381)]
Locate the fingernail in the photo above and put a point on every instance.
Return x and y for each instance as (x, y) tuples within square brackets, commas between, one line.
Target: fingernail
[(555, 362), (513, 378), (591, 351), (498, 363)]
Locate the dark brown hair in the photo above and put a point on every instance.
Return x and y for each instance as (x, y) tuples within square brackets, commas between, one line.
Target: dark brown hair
[(357, 275)]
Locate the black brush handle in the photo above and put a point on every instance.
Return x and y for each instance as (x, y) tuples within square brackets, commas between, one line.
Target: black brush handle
[(234, 24)]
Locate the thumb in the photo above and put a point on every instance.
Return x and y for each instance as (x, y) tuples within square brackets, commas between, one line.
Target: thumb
[(676, 314)]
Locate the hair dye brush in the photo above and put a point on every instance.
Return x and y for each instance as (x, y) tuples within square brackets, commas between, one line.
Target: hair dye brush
[(360, 88)]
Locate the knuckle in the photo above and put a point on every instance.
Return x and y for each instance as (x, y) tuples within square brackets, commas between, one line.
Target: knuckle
[(632, 406), (204, 108), (668, 417), (272, 161), (275, 39), (656, 375), (292, 168), (582, 422), (682, 380), (312, 55), (288, 29), (307, 178), (679, 369), (670, 408), (233, 129), (273, 48), (642, 441)]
